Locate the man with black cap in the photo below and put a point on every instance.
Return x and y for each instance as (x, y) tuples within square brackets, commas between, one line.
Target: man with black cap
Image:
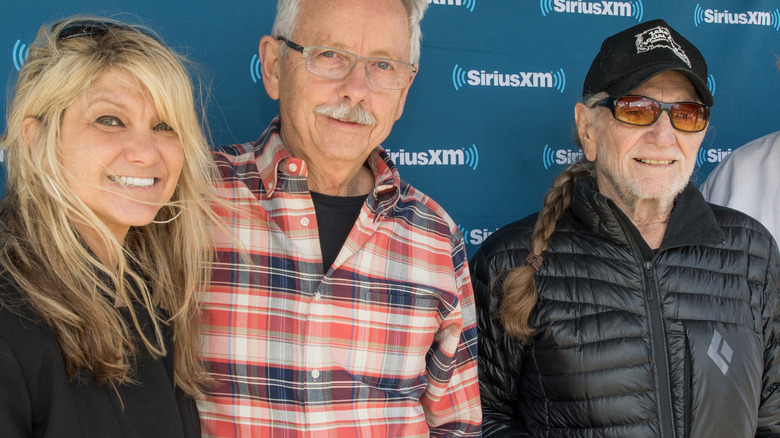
[(629, 306)]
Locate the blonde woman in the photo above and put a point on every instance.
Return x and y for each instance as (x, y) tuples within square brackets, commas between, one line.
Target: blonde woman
[(102, 237)]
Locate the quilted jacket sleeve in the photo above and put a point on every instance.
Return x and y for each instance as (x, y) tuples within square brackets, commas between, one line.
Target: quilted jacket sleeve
[(499, 357), (769, 410)]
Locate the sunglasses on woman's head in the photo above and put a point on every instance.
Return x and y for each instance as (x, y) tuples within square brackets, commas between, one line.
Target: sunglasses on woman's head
[(93, 28)]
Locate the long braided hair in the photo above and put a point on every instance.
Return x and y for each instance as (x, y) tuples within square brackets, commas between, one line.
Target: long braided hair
[(519, 287)]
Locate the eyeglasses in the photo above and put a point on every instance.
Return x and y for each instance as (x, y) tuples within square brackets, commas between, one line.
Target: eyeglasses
[(332, 63), (644, 111), (93, 28)]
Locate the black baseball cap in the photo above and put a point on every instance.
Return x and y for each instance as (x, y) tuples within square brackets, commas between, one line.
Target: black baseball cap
[(631, 57)]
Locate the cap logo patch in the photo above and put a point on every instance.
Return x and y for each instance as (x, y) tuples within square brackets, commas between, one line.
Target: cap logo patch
[(660, 37)]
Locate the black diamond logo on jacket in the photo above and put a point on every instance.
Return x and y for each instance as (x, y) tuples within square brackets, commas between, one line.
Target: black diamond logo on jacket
[(720, 352)]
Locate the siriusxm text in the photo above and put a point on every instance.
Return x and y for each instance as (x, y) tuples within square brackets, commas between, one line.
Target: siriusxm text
[(713, 16), (619, 9), (568, 156), (431, 157), (477, 236), (716, 155), (520, 79)]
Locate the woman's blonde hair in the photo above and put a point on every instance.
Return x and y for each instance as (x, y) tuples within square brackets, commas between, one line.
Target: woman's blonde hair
[(42, 251)]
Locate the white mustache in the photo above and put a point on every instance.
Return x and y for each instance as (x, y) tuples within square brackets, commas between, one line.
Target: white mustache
[(346, 113)]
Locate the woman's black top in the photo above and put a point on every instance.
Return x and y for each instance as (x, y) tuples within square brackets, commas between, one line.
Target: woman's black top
[(37, 399)]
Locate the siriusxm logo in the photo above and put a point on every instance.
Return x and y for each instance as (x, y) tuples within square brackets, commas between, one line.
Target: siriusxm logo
[(481, 78), (631, 8), (711, 156), (255, 69), (475, 236), (566, 157), (468, 157), (469, 4), (755, 18), (20, 54)]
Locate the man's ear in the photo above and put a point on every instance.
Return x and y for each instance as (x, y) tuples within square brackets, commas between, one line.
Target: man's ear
[(585, 119), (30, 129), (404, 93), (270, 60)]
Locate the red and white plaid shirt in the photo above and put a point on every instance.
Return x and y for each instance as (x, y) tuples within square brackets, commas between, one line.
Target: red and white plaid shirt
[(383, 344)]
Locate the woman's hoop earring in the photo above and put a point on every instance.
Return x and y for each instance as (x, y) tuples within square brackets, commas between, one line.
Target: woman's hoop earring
[(55, 188), (168, 220)]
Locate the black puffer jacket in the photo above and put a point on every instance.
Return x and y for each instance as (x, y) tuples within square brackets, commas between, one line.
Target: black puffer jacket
[(683, 345)]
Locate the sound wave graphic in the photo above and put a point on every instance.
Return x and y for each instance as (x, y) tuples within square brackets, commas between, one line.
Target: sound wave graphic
[(776, 19), (638, 10), (559, 80), (469, 4), (255, 69), (458, 77), (463, 230), (472, 157), (711, 84), (545, 6), (698, 15), (20, 54), (548, 157), (701, 157)]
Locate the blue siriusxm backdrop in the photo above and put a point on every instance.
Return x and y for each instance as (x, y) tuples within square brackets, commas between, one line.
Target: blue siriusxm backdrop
[(488, 121)]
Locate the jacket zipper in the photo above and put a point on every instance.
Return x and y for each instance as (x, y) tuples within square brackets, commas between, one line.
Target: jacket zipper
[(657, 337), (660, 359), (688, 383)]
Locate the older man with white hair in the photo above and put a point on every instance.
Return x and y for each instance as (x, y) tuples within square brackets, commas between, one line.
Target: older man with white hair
[(340, 303)]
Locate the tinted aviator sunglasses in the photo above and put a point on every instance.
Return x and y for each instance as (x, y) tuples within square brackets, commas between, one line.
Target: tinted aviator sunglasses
[(644, 111)]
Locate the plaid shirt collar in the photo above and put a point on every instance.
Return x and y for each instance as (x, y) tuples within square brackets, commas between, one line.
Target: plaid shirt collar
[(387, 180)]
